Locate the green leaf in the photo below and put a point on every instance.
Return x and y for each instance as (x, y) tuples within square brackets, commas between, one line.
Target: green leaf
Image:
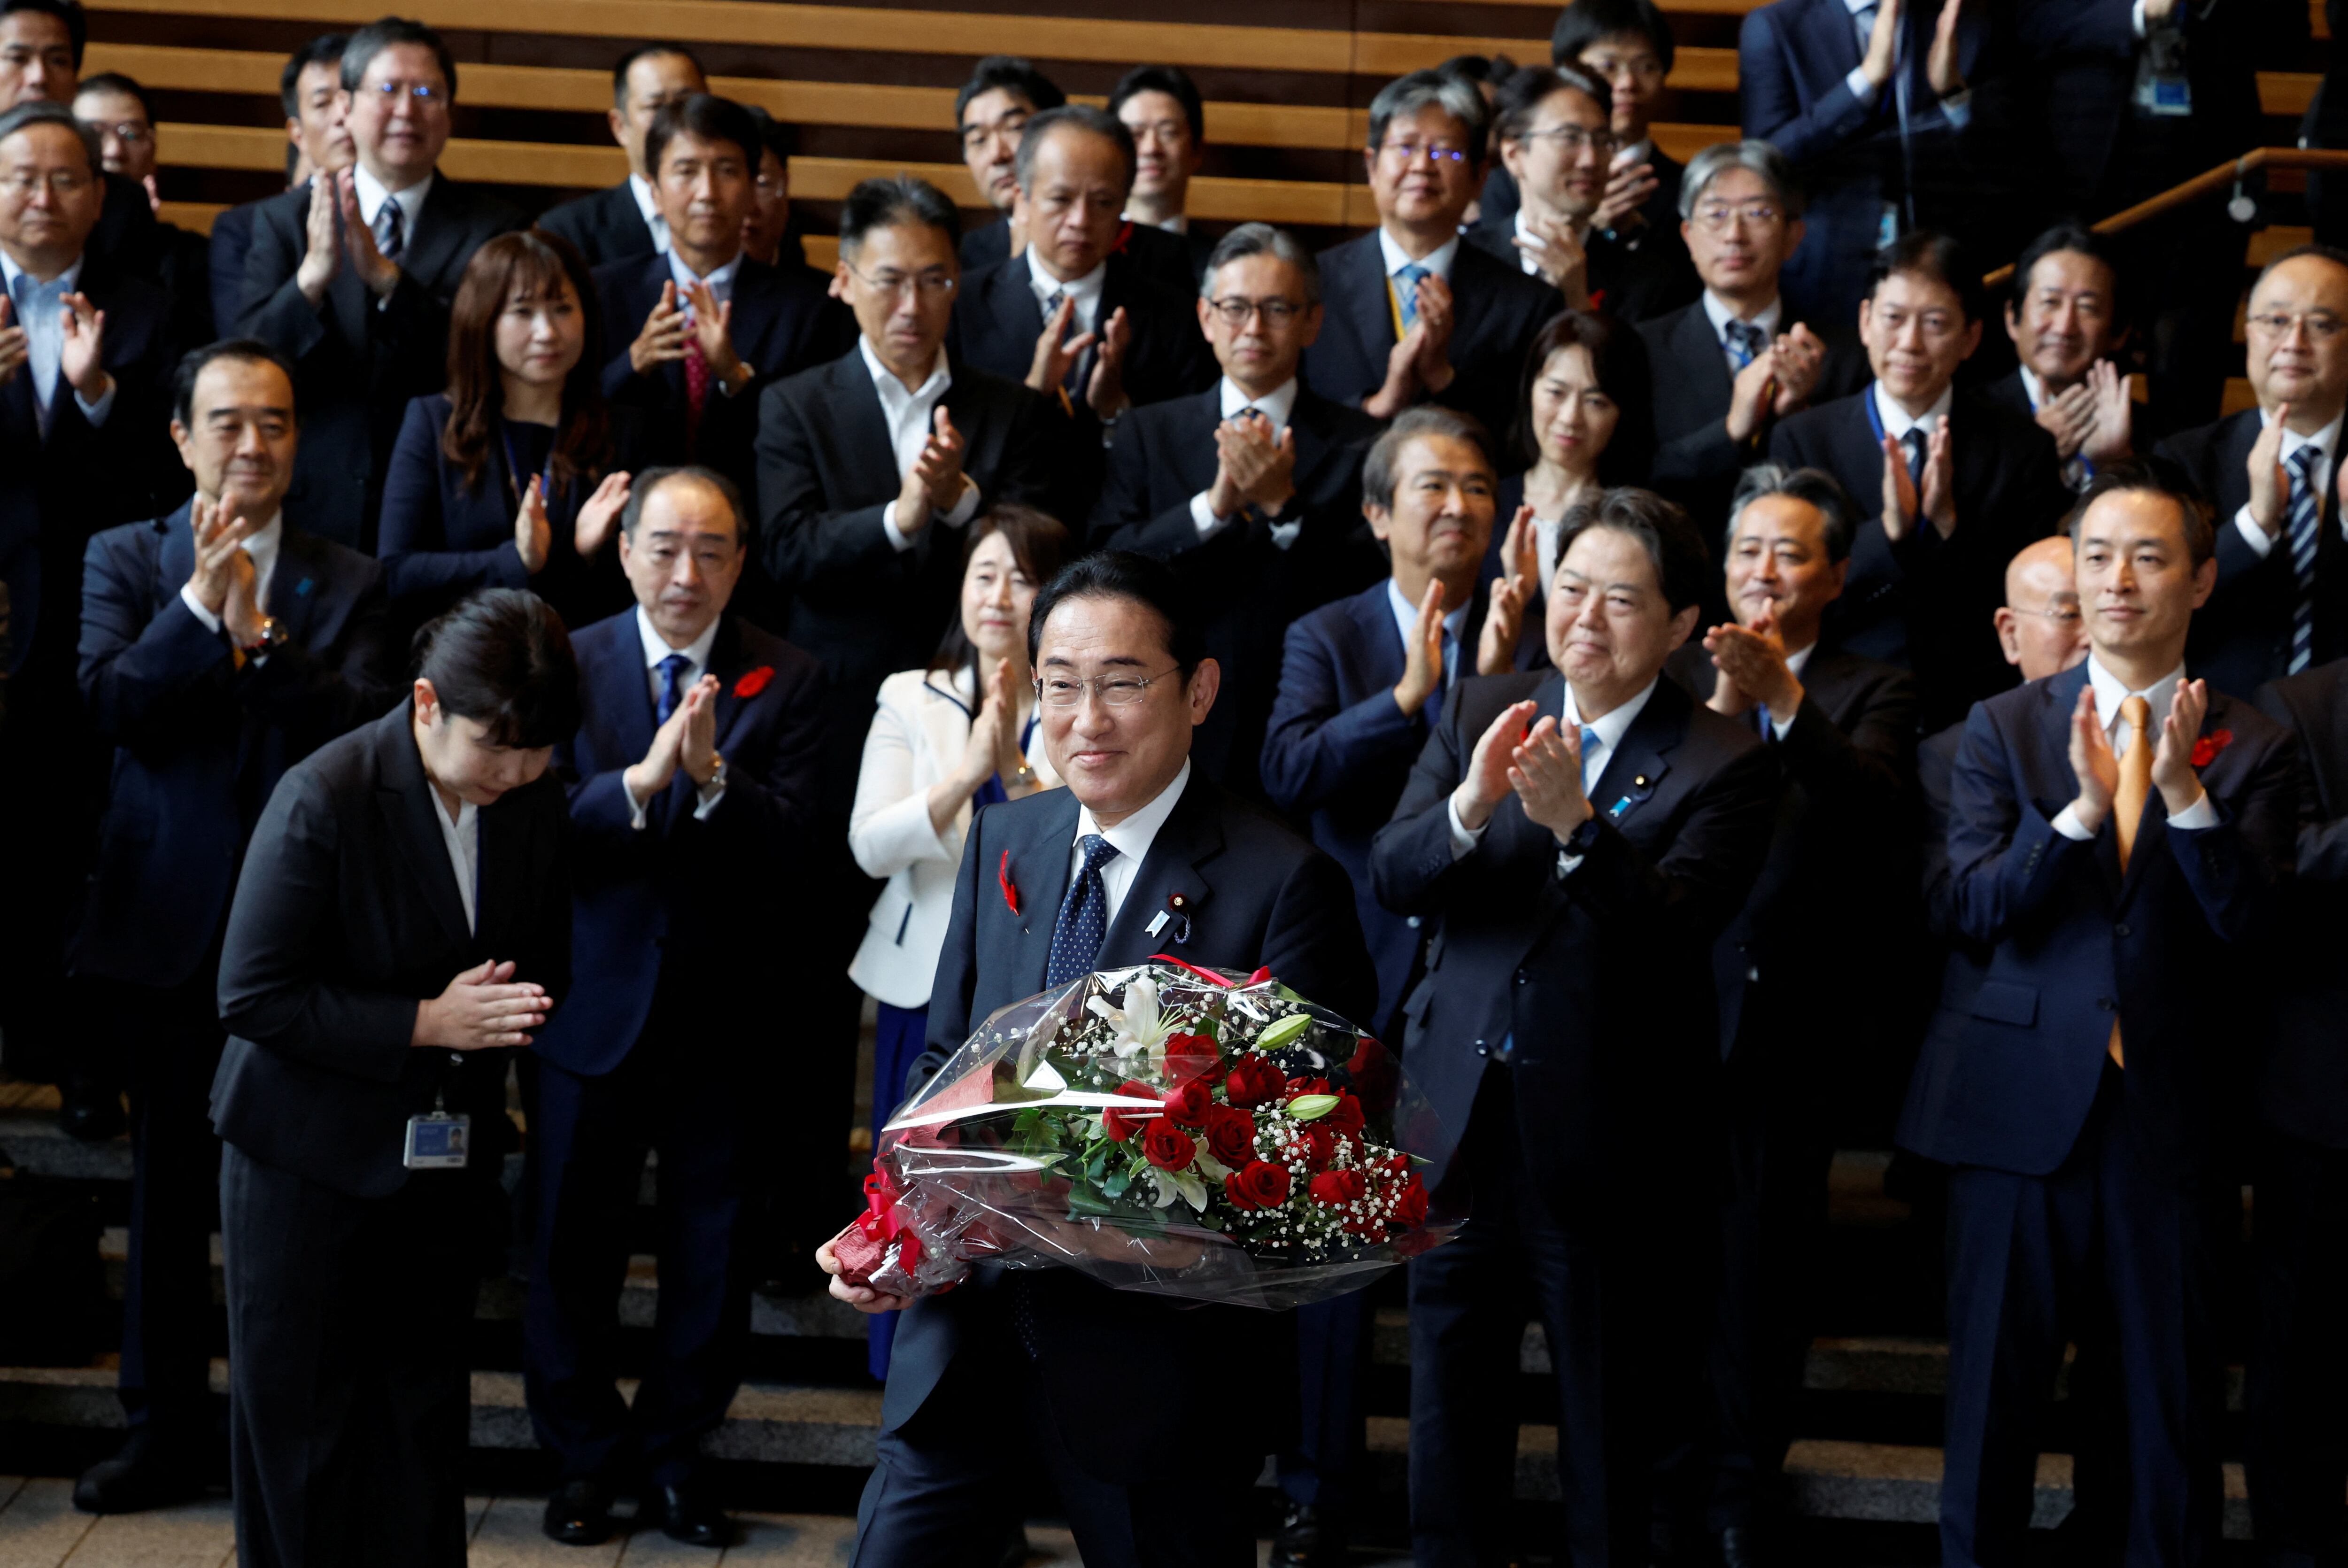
[(1311, 1107), (1283, 1031), (1116, 1185)]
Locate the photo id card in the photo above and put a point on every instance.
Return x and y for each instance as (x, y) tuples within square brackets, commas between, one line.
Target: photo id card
[(436, 1142)]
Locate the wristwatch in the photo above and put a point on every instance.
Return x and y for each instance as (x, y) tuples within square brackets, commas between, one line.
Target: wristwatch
[(272, 637), (717, 776)]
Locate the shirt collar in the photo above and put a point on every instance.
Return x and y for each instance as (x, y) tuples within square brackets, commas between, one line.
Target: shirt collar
[(2110, 693), (2326, 440), (1406, 614), (1276, 404), (63, 284), (261, 545), (1439, 262), (891, 390), (371, 193), (1721, 312), (656, 646), (1611, 727), (720, 279), (1086, 289), (1134, 835), (1178, 225), (2032, 389), (1896, 422), (641, 189), (1799, 657)]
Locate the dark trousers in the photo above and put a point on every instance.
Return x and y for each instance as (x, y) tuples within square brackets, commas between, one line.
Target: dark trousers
[(674, 1095), (171, 1040), (1610, 1282), (349, 1399), (1333, 1357), (2033, 1261), (946, 1487), (2297, 1399)]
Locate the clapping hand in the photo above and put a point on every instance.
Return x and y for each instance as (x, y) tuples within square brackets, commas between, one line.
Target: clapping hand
[(648, 778), (534, 535), (1882, 45), (2270, 486), (1487, 783), (936, 480), (2107, 436), (1627, 190), (1434, 368), (2172, 760), (599, 516), (1942, 68), (711, 325), (1504, 611), (2093, 764), (1899, 500), (1105, 388), (2069, 417), (219, 540), (661, 338), (1939, 498), (81, 363), (1800, 356), (1752, 664), (1422, 668), (1558, 257), (482, 1010), (1253, 466), (1545, 770), (992, 732)]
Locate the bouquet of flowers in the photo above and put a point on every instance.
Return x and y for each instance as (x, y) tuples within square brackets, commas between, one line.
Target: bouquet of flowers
[(1161, 1128)]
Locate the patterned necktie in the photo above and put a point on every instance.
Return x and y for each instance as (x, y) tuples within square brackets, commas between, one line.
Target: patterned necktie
[(1744, 342), (2306, 509), (1913, 444), (1407, 293), (696, 389), (1589, 769), (672, 673), (2127, 806), (1084, 916), (390, 233)]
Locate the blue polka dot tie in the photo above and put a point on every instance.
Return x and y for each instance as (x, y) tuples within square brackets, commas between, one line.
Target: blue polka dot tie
[(1406, 291), (1084, 916), (672, 674)]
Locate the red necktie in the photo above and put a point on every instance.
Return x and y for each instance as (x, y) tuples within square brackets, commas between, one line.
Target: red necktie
[(697, 391)]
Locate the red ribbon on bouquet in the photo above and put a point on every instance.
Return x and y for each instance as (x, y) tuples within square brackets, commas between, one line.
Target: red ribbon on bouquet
[(880, 1222), (1258, 978)]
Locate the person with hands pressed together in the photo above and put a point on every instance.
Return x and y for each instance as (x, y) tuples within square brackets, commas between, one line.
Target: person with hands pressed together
[(2078, 1088), (2064, 320), (317, 135), (402, 920), (626, 220), (1251, 488)]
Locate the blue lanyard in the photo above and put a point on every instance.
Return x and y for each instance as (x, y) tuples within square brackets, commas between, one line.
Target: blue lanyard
[(513, 468), (1874, 415)]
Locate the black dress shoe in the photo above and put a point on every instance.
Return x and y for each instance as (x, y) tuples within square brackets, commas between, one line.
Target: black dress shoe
[(145, 1472), (1306, 1539), (580, 1513), (689, 1516), (90, 1112)]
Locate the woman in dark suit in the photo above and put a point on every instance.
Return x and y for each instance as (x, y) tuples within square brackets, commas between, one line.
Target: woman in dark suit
[(515, 475), (402, 923)]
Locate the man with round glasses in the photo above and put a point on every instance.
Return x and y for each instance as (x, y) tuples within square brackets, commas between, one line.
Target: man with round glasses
[(1252, 488)]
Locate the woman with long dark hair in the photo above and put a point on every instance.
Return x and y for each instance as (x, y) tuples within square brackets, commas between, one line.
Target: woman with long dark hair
[(515, 475)]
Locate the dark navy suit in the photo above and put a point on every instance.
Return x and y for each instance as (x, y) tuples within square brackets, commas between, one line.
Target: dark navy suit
[(199, 745), (1175, 261), (605, 225), (2074, 1177), (231, 237), (1171, 1490), (1565, 1022), (661, 1046)]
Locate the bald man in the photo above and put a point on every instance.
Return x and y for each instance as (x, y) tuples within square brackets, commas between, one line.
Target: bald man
[(2039, 626)]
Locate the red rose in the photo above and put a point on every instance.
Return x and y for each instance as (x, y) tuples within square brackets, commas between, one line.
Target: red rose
[(1346, 1117), (1167, 1147), (1190, 1104), (1335, 1189), (753, 682), (1231, 1134), (1410, 1204), (1122, 1121), (2205, 750), (1375, 1077), (1189, 1057), (1297, 1086), (1253, 1081), (1316, 1146), (1260, 1184)]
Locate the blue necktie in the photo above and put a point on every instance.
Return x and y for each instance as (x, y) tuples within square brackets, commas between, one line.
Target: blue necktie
[(672, 673), (390, 231), (2305, 510), (1744, 342), (1407, 293), (1588, 759), (1084, 916), (1913, 444)]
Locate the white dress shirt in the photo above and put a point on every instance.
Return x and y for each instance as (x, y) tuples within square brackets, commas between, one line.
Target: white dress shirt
[(1085, 290), (1781, 722), (1132, 837), (1720, 313), (2109, 694), (911, 419), (2326, 441), (1897, 422), (262, 546), (641, 189), (1438, 261), (462, 838), (1608, 735), (696, 653), (1275, 406), (1405, 615), (40, 308)]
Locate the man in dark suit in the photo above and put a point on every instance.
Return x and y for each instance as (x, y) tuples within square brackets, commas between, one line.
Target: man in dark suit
[(1137, 825), (402, 920), (2282, 600), (317, 135), (991, 110), (1728, 366), (120, 111), (1577, 839), (350, 277), (1160, 105), (2064, 320), (692, 783), (84, 354), (2078, 1089), (2298, 1465), (41, 44), (1253, 488), (1413, 313), (220, 645), (626, 220), (1842, 729), (697, 331), (1956, 486), (1872, 107)]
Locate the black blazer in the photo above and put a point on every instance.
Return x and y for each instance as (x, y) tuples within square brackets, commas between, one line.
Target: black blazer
[(606, 226), (1163, 456), (1636, 273), (1928, 603), (2302, 1079), (357, 361), (200, 742), (784, 320), (440, 538), (1175, 261), (232, 238), (346, 917), (1602, 978), (2241, 637), (1497, 310), (1258, 896), (1846, 759)]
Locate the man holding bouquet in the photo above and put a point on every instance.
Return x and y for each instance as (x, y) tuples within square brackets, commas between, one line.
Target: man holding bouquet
[(1050, 1364)]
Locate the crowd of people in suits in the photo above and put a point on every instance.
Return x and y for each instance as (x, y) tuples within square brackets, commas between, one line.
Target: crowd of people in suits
[(1632, 635)]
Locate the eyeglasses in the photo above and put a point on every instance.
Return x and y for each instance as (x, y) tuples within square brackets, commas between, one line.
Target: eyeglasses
[(2322, 327), (2061, 614), (130, 132), (1716, 216), (1433, 152), (1573, 140), (929, 286), (1117, 691), (424, 94), (60, 182), (1644, 67), (1235, 310)]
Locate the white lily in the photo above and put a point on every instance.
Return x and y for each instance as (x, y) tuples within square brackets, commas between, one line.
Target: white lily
[(1138, 1024)]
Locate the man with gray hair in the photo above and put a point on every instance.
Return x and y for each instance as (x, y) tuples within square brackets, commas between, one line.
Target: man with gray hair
[(1253, 488), (1729, 363), (1415, 315), (1843, 730)]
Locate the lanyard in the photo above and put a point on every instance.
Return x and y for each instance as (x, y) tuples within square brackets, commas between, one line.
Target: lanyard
[(513, 468)]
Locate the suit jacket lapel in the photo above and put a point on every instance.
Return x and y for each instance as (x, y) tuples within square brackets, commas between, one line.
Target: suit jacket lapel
[(1635, 768), (1190, 836), (1038, 870), (1363, 301), (1702, 361), (855, 410), (293, 587), (443, 231), (410, 804)]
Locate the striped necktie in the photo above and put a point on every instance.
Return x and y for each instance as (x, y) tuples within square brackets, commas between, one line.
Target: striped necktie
[(2306, 513)]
